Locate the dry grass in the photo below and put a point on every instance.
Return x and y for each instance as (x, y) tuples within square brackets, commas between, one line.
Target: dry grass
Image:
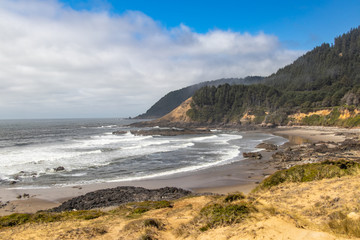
[(321, 209)]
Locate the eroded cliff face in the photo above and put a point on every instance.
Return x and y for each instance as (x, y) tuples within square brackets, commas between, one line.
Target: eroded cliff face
[(297, 117), (179, 113), (338, 116)]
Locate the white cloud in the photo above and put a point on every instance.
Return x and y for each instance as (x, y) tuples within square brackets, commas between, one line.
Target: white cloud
[(58, 62)]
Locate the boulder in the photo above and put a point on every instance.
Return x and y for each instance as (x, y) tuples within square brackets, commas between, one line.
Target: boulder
[(59, 169), (280, 156), (119, 132), (267, 146), (254, 155)]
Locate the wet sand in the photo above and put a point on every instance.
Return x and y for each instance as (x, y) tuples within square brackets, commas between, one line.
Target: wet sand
[(240, 176)]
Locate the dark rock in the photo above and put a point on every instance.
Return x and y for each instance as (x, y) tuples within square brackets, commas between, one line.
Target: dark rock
[(119, 132), (278, 155), (254, 155), (19, 196), (23, 174), (120, 195), (350, 144), (58, 169), (270, 125), (321, 148), (285, 156), (26, 195), (3, 204), (267, 146)]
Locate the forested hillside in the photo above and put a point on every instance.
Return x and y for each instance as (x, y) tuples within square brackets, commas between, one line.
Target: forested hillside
[(326, 77), (173, 99)]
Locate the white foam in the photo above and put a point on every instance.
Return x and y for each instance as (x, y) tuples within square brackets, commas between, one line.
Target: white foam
[(108, 126), (201, 139), (84, 153), (226, 159), (81, 154)]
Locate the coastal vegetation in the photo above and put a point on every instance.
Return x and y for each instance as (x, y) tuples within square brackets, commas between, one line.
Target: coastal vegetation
[(16, 219), (311, 172), (130, 210), (328, 77), (345, 116), (222, 214)]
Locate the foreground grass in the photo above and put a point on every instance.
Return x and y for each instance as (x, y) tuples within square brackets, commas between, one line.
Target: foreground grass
[(296, 198), (217, 214), (16, 219), (130, 210), (329, 203)]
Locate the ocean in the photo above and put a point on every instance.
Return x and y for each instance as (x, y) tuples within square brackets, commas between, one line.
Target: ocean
[(65, 152)]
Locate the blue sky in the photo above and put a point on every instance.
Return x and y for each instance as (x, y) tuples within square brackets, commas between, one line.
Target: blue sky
[(105, 58), (298, 24)]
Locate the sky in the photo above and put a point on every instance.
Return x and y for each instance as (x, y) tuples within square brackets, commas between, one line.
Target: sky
[(105, 58)]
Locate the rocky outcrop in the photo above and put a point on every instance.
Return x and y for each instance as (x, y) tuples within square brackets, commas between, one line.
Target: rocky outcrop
[(254, 155), (267, 146), (317, 152), (120, 195), (119, 132), (59, 169)]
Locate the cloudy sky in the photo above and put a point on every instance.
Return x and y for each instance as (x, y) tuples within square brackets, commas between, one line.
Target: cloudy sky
[(65, 59)]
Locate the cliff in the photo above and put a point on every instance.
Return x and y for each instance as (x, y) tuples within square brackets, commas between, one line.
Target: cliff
[(179, 113)]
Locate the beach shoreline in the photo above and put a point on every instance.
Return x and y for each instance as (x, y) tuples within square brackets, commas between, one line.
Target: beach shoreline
[(241, 176)]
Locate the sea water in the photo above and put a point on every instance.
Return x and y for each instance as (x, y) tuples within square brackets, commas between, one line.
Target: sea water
[(43, 153)]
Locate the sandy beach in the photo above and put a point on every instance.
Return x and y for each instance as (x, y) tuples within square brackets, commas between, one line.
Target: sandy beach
[(240, 176)]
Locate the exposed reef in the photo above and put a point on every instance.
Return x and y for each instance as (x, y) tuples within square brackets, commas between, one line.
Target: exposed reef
[(120, 195)]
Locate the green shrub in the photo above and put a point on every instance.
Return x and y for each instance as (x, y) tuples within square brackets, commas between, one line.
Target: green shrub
[(352, 121), (139, 208), (234, 196), (332, 119), (83, 214), (44, 217), (150, 222), (14, 219), (311, 172), (312, 120), (218, 214)]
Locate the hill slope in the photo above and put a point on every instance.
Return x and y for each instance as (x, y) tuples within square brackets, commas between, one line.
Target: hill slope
[(326, 77), (173, 99)]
